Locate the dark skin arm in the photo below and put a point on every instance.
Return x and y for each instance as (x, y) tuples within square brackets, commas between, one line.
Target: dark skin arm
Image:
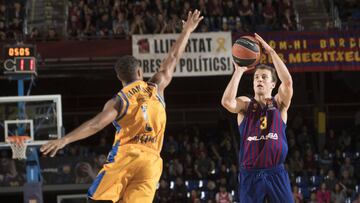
[(167, 68), (90, 127)]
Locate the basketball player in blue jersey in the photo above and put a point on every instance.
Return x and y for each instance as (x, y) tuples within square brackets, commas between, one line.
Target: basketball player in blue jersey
[(262, 122)]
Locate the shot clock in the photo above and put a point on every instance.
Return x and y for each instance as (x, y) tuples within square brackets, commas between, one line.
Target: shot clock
[(20, 59)]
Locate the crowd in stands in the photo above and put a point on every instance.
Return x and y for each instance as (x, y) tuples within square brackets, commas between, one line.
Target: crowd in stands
[(201, 165), (89, 19), (12, 16), (349, 13), (122, 18)]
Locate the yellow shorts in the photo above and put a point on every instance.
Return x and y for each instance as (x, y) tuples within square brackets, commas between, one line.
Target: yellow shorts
[(131, 176)]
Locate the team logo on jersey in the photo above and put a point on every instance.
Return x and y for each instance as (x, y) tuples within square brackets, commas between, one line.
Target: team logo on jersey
[(270, 105), (255, 107), (270, 136), (143, 139), (148, 127)]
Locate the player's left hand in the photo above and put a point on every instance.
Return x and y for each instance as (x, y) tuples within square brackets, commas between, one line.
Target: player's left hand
[(53, 146), (192, 21), (266, 46)]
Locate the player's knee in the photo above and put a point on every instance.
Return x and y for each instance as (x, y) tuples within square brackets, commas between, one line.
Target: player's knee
[(98, 201)]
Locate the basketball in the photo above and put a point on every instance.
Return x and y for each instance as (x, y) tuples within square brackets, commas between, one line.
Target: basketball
[(246, 51)]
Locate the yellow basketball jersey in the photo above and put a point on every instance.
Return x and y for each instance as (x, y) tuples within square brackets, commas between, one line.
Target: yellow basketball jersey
[(142, 117)]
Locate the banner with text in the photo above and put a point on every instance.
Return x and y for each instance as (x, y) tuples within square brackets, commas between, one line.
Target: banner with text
[(205, 53), (315, 51)]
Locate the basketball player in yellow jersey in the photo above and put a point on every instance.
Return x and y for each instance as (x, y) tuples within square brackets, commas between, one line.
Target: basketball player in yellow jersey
[(134, 165)]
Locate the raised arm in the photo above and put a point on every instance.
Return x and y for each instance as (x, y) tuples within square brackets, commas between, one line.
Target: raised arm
[(163, 77), (285, 92), (229, 100), (90, 127)]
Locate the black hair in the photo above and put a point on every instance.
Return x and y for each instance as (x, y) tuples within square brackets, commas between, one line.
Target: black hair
[(126, 68)]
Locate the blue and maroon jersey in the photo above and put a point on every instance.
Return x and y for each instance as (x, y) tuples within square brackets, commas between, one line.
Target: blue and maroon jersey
[(263, 142)]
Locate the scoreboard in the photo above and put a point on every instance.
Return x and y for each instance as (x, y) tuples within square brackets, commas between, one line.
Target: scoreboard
[(19, 59)]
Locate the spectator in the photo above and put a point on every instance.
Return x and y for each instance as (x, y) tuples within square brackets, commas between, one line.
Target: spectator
[(65, 176), (35, 35), (75, 26), (233, 178), (347, 166), (211, 190), (325, 160), (269, 14), (175, 168), (298, 197), (2, 31), (161, 24), (305, 138), (162, 194), (104, 25), (338, 194), (51, 35), (194, 197), (179, 192), (15, 29), (17, 12), (246, 15), (189, 171), (9, 174), (347, 182), (104, 146), (170, 141), (296, 163), (84, 173), (309, 161), (223, 196), (4, 14), (121, 25), (99, 161), (345, 140), (313, 198), (89, 26), (330, 180), (230, 9), (138, 26), (215, 10), (203, 165), (323, 195), (203, 9), (150, 21), (331, 141)]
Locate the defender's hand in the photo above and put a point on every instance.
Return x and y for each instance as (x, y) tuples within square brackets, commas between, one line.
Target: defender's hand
[(192, 21), (53, 146), (266, 46)]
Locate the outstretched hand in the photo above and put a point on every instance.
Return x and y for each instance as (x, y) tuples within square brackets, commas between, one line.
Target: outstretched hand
[(192, 21), (265, 45), (53, 146)]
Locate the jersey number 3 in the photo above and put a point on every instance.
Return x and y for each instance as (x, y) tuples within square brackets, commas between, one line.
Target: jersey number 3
[(263, 122)]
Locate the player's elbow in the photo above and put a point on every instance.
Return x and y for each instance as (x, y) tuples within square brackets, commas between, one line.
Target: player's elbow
[(227, 104)]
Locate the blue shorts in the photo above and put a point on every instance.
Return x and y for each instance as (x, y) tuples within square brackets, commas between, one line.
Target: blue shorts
[(274, 183)]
